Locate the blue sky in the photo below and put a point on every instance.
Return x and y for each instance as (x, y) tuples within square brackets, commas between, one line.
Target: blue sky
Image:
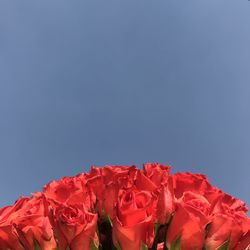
[(124, 82)]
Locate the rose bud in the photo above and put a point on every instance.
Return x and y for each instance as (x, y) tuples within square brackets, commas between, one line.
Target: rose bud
[(75, 227), (133, 225), (165, 203)]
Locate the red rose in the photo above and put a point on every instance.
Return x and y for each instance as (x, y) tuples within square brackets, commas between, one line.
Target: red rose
[(123, 177), (225, 201), (116, 178), (8, 235), (229, 222), (155, 178), (32, 223), (134, 221), (200, 215), (189, 221), (25, 222), (157, 173), (69, 190), (244, 242), (94, 180), (152, 177), (75, 227), (196, 183)]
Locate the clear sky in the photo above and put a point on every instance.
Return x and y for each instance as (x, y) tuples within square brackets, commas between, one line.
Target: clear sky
[(124, 82)]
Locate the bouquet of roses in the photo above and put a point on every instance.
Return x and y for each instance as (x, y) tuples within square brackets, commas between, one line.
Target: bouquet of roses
[(123, 207)]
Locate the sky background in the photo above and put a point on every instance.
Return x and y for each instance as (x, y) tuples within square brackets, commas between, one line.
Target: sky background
[(124, 82)]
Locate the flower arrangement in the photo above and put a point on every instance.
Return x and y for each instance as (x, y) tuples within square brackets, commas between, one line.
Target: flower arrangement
[(123, 207)]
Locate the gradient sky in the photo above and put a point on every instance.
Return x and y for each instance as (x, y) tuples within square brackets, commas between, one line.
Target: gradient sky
[(124, 82)]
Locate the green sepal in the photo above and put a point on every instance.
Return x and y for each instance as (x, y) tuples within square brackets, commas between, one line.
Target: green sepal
[(224, 246), (207, 227), (110, 221), (98, 231), (163, 228), (144, 247), (117, 245), (106, 217), (176, 245), (106, 228), (36, 245), (93, 246), (169, 218), (156, 227)]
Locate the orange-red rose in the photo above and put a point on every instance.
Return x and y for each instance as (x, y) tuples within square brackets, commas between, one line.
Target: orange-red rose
[(75, 227), (25, 222), (133, 207), (134, 221), (189, 221), (229, 222)]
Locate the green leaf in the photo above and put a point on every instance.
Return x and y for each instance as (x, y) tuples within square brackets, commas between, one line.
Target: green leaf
[(224, 246), (176, 245)]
